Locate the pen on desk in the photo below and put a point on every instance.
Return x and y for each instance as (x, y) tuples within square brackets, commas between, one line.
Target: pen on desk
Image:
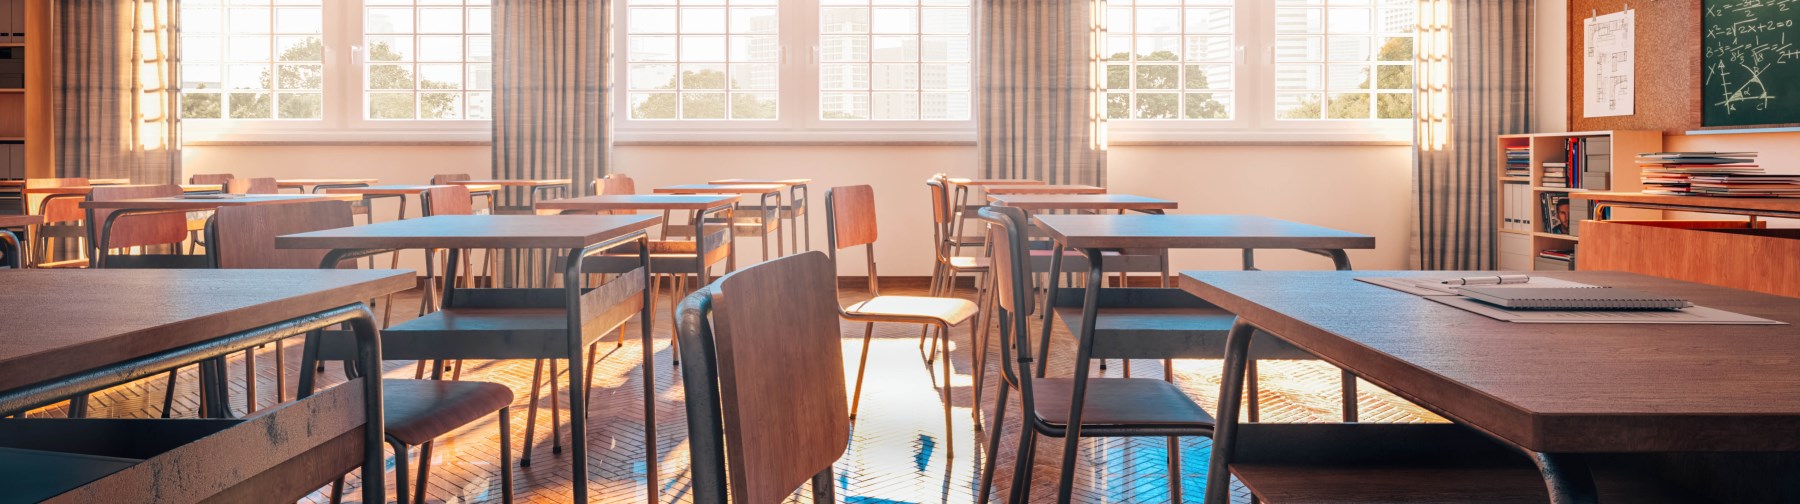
[(1489, 280)]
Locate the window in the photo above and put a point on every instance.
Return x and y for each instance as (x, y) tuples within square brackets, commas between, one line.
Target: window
[(1344, 59), (252, 60), (1259, 69), (267, 69), (806, 69), (703, 59)]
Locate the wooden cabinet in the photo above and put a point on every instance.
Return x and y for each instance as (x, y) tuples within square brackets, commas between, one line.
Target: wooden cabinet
[(1520, 243)]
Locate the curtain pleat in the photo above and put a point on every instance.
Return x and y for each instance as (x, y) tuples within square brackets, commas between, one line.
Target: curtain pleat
[(117, 85), (1041, 112), (552, 112), (1489, 63)]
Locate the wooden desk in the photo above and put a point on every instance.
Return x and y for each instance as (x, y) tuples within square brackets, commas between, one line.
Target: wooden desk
[(1551, 389), (1094, 234), (102, 235), (798, 205), (605, 203), (72, 332), (766, 220), (507, 323), (1763, 207), (316, 184), (109, 181), (534, 188), (1044, 189), (993, 182), (9, 242), (1043, 202)]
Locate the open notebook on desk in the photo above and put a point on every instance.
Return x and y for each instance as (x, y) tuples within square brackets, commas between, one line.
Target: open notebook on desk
[(1436, 290)]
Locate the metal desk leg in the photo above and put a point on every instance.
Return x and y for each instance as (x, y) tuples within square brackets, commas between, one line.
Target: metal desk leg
[(1231, 390), (1049, 313), (9, 243), (650, 445), (1567, 478), (1090, 310), (577, 403)]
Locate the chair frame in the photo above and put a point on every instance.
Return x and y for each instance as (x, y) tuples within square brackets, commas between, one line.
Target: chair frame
[(1013, 312)]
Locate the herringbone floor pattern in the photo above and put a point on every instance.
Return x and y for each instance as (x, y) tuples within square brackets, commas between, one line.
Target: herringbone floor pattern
[(897, 454)]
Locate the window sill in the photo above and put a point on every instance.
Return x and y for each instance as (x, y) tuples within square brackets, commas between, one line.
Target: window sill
[(342, 137), (1141, 137)]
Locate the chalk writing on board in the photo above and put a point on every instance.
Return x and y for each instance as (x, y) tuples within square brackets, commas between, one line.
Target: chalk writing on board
[(1751, 61), (1609, 66)]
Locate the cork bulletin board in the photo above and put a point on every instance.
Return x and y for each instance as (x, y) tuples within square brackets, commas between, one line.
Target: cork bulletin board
[(1668, 65)]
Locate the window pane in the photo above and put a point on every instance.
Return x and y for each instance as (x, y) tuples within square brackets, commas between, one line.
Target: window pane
[(252, 48), (1324, 49), (714, 59), (451, 61), (895, 60), (1147, 43)]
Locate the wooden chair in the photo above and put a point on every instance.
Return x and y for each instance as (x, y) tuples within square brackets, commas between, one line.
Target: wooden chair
[(1111, 407), (850, 221), (211, 178), (416, 412), (263, 185), (765, 381), (63, 220), (167, 230), (618, 184)]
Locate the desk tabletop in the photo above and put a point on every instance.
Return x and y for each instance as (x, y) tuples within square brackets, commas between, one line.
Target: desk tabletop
[(384, 190), (994, 182), (309, 182), (1771, 205), (109, 181), (1044, 189), (61, 322), (1191, 231), (1036, 202), (194, 204), (721, 189), (476, 231), (640, 202), (83, 190), (1546, 387), (7, 221), (512, 182), (785, 182)]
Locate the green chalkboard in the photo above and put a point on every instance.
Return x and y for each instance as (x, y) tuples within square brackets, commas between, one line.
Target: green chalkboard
[(1750, 62)]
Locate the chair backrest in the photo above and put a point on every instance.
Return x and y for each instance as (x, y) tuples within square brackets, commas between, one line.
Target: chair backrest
[(61, 210), (447, 178), (211, 178), (616, 184), (137, 230), (850, 215), (1012, 269), (772, 355), (941, 213), (265, 185), (448, 200), (245, 235)]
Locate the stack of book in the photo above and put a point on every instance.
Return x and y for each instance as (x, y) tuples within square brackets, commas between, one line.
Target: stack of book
[(1555, 175), (1563, 259), (1589, 163), (1746, 185), (1674, 172), (1518, 161)]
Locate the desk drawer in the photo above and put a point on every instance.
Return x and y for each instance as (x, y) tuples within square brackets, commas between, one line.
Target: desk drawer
[(1756, 259)]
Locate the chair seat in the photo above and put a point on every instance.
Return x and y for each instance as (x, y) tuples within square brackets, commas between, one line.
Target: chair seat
[(1119, 401), (970, 263), (418, 411), (951, 311)]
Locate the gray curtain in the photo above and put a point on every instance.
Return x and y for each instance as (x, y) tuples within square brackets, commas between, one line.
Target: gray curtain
[(1042, 101), (117, 83), (1485, 82), (552, 101)]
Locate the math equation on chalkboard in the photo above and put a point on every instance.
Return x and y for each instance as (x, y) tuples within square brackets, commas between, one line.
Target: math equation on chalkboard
[(1751, 62)]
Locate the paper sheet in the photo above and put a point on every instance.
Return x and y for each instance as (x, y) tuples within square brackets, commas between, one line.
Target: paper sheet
[(1608, 71), (1435, 286), (1690, 315)]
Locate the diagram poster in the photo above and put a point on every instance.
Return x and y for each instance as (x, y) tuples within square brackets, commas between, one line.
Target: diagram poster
[(1608, 70)]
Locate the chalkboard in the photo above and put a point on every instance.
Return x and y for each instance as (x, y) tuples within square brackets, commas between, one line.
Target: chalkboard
[(1750, 66)]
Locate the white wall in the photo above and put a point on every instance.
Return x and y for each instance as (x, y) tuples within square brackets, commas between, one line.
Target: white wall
[(1364, 189), (1551, 80)]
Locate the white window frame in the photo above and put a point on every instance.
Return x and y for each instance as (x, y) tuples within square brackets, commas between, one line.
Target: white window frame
[(1253, 114), (343, 120), (798, 98)]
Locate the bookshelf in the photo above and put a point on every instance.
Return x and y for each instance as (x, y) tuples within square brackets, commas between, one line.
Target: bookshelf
[(26, 94), (1520, 242)]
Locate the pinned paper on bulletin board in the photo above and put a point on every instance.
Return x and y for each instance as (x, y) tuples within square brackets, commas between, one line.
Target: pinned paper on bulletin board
[(1608, 69)]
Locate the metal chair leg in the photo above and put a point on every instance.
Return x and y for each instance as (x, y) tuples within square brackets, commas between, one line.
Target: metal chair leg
[(531, 408), (555, 412), (993, 451), (1021, 489), (506, 474), (861, 365), (400, 472), (169, 395), (250, 380), (949, 426), (424, 473)]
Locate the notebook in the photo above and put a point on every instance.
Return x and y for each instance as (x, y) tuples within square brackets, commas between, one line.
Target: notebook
[(1603, 298)]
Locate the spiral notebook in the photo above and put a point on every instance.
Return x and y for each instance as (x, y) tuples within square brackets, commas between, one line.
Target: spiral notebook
[(1580, 298)]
